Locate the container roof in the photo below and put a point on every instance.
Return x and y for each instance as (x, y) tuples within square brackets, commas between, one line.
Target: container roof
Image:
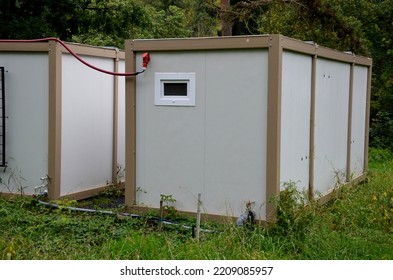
[(244, 42)]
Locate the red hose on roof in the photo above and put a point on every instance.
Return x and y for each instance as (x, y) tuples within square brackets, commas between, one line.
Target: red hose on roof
[(73, 53)]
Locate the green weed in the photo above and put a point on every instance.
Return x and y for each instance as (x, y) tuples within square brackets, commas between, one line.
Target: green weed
[(168, 207)]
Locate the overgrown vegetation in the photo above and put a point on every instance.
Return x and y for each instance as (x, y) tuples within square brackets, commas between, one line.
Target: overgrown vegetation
[(355, 224)]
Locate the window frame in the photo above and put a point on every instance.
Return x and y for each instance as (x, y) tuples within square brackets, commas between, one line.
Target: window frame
[(161, 99)]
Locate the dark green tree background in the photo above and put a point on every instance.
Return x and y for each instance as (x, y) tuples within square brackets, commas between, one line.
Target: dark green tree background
[(364, 27)]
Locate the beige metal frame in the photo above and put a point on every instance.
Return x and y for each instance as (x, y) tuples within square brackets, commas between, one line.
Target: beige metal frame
[(55, 107), (273, 150), (130, 182)]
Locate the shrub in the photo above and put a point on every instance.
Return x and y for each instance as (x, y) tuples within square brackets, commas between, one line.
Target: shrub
[(295, 212)]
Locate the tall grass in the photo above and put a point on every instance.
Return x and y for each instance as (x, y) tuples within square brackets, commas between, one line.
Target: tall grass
[(355, 224)]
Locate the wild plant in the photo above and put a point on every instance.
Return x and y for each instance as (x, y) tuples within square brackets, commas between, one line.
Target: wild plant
[(295, 212), (169, 210)]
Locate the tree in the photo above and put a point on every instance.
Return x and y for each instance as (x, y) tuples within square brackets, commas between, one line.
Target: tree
[(379, 30), (196, 18), (83, 20), (361, 26), (97, 22), (321, 21)]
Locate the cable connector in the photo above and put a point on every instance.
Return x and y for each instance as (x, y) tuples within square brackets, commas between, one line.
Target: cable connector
[(42, 190), (248, 217), (146, 60)]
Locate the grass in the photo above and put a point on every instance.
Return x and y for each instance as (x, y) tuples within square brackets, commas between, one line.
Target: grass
[(356, 224)]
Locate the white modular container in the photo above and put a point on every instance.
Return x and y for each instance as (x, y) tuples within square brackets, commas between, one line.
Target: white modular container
[(237, 118), (64, 120)]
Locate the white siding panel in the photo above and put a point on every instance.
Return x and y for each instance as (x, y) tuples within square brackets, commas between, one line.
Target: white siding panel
[(121, 118), (218, 147), (87, 121), (295, 119), (358, 120), (331, 123), (26, 85), (236, 124), (170, 140)]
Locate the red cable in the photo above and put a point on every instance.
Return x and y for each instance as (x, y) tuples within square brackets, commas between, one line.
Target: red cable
[(73, 53)]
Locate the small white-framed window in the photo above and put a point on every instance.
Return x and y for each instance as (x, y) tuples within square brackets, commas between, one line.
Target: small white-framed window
[(174, 89)]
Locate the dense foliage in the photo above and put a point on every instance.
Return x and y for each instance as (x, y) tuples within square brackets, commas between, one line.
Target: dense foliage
[(361, 26)]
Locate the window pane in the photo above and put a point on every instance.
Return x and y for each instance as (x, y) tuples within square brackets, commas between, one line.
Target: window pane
[(175, 89)]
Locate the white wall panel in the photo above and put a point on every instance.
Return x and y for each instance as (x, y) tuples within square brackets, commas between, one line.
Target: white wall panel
[(26, 85), (170, 140), (218, 147), (87, 121), (295, 119), (331, 123), (358, 120), (236, 124), (121, 117)]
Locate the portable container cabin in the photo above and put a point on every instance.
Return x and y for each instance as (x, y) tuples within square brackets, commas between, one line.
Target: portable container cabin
[(61, 120), (237, 118)]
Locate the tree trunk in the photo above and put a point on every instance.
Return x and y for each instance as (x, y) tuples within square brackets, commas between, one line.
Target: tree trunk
[(226, 24)]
